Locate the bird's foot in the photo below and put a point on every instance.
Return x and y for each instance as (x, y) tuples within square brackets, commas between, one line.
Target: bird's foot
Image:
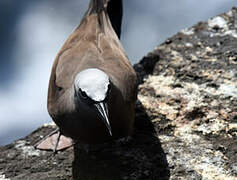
[(54, 141)]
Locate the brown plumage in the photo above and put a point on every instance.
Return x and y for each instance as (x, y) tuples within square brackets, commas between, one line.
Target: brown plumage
[(93, 44)]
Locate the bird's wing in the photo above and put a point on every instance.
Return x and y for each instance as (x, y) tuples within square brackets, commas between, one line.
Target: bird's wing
[(92, 46)]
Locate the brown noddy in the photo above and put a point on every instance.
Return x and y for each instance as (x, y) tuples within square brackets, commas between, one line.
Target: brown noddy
[(93, 87)]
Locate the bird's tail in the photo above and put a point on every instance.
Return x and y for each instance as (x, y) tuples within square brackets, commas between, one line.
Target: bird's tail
[(115, 12), (97, 6), (114, 8)]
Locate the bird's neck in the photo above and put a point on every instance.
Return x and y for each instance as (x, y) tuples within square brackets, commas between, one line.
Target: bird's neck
[(112, 8)]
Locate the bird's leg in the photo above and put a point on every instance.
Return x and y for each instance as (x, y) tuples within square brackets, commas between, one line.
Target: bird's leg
[(44, 138), (57, 141)]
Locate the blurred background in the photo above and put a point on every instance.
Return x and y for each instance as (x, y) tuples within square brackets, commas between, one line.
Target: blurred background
[(31, 33)]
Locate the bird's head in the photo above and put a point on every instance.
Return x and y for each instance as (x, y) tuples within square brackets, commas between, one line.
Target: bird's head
[(92, 87)]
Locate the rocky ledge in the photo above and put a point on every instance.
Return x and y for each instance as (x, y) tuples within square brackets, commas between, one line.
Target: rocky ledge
[(186, 118)]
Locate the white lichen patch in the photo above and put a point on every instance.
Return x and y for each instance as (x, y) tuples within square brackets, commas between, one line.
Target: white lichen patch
[(193, 57), (225, 90), (209, 163), (177, 57), (27, 150), (228, 90), (192, 98), (161, 86), (147, 102), (208, 49), (50, 124), (189, 45), (215, 127), (232, 33), (226, 81), (218, 21), (211, 59), (187, 31), (232, 126), (3, 177), (221, 23), (229, 13)]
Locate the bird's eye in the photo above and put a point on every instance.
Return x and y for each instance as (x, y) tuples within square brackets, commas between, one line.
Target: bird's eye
[(109, 87), (83, 94), (59, 88)]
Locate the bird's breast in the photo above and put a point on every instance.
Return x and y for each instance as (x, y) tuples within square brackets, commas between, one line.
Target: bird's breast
[(84, 125)]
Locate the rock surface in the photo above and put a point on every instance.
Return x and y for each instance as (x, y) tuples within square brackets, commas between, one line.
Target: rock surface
[(186, 118)]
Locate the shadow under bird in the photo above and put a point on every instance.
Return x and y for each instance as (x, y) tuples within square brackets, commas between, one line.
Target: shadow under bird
[(93, 87)]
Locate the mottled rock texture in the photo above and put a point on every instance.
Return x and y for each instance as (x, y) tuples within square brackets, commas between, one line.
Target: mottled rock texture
[(186, 118)]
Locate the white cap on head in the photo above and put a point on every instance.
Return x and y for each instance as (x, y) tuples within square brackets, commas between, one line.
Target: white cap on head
[(94, 82)]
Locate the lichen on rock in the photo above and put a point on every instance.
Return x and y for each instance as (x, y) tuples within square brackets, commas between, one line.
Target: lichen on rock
[(194, 87)]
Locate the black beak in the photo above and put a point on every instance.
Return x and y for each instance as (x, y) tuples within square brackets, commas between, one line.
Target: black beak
[(103, 110)]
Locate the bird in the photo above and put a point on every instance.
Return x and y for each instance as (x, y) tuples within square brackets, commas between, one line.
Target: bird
[(93, 86)]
